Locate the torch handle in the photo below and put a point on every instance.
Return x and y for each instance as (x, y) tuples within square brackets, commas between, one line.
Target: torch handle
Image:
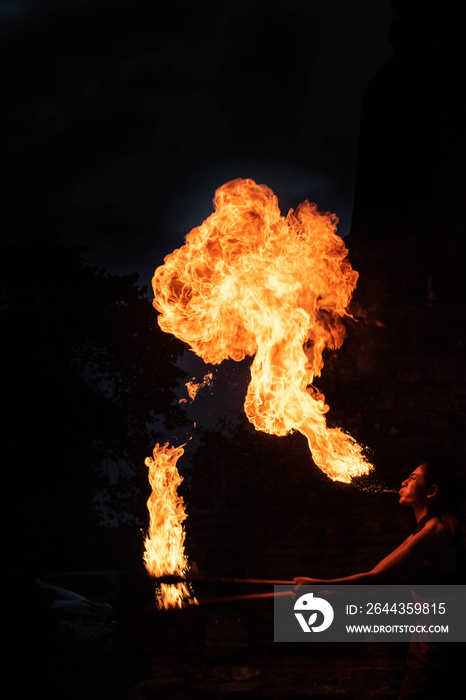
[(226, 579), (246, 596), (172, 579)]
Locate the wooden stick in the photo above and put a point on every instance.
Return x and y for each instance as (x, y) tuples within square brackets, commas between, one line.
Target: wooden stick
[(171, 579), (246, 596)]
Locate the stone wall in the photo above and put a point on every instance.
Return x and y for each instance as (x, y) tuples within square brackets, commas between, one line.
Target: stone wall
[(407, 354)]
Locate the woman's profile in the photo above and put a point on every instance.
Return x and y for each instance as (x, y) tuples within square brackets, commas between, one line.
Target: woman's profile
[(433, 553)]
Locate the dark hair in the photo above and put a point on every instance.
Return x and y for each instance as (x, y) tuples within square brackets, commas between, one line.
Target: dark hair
[(451, 490), (451, 494)]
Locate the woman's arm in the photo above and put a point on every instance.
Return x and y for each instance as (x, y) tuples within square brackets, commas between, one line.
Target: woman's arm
[(412, 552), (363, 578)]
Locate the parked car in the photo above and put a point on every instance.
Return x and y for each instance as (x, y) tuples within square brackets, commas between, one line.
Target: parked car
[(126, 591), (92, 585), (78, 616)]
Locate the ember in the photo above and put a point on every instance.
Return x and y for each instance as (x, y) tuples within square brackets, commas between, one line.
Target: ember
[(193, 387), (250, 282)]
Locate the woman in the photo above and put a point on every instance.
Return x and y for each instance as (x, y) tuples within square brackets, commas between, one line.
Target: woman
[(433, 554)]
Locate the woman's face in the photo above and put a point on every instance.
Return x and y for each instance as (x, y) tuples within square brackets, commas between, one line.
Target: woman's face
[(414, 489)]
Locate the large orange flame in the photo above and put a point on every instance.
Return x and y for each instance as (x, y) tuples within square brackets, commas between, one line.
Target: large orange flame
[(164, 544), (250, 282)]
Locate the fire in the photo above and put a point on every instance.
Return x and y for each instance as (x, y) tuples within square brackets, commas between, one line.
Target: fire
[(193, 387), (250, 282), (164, 545)]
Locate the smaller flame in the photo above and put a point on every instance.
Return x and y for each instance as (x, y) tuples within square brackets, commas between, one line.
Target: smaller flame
[(164, 545), (193, 387)]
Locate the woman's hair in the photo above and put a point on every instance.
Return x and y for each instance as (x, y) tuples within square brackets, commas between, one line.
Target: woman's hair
[(451, 492)]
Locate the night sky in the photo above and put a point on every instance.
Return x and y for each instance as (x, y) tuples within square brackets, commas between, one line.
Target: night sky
[(120, 118)]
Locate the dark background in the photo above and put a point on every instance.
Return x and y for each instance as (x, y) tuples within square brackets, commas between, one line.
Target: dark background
[(118, 122), (120, 119)]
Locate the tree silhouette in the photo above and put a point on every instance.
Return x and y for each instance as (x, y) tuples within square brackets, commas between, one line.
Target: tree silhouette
[(89, 381)]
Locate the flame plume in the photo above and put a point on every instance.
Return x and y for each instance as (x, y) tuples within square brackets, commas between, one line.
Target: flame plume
[(164, 545), (250, 282)]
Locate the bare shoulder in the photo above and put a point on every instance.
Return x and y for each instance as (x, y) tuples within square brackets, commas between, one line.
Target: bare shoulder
[(434, 529)]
